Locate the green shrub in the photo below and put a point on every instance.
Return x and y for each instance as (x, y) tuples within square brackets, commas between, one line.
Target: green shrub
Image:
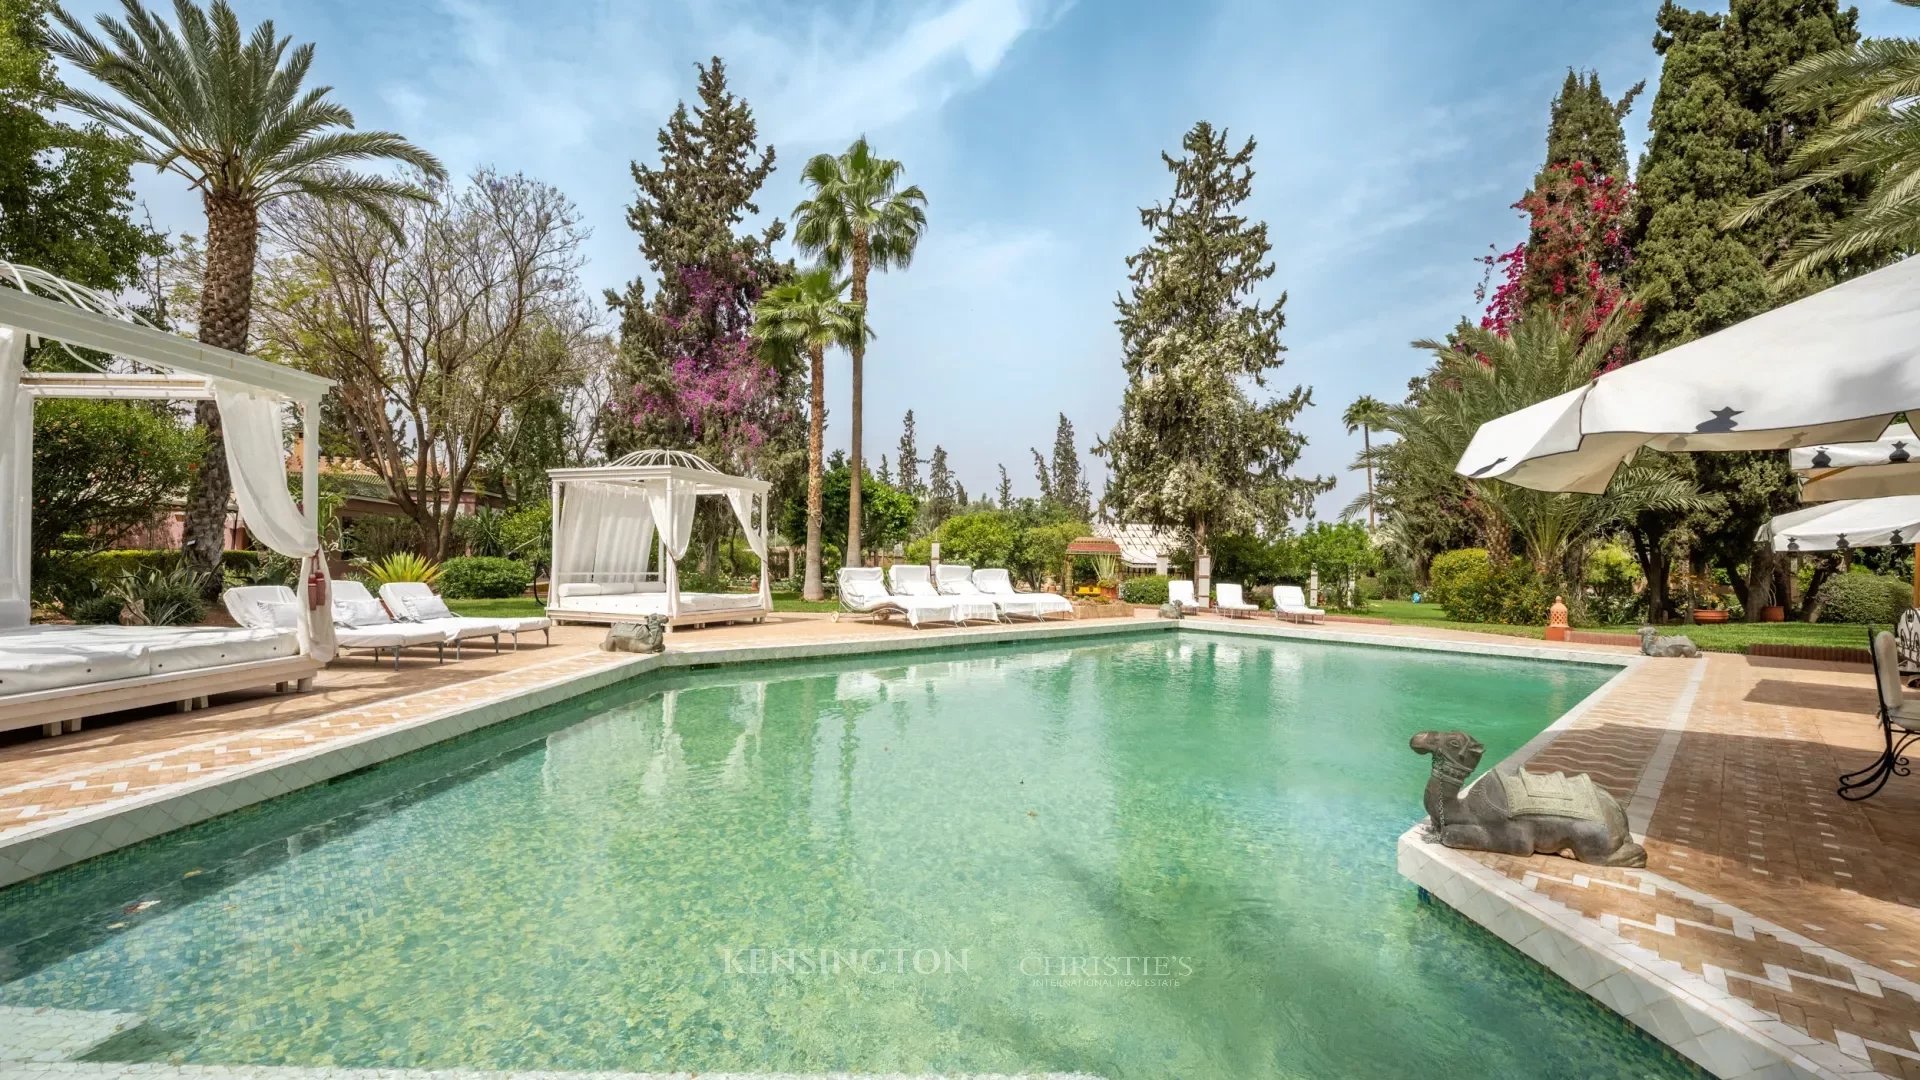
[(1613, 586), (1455, 575), (1864, 598), (1149, 590), (103, 608), (1473, 588), (479, 577)]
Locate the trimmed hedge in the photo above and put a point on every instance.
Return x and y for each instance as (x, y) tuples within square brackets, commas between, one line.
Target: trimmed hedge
[(483, 577), (1864, 598), (1147, 591)]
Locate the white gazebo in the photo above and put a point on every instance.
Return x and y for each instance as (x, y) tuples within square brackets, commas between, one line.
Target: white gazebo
[(608, 521), (52, 675)]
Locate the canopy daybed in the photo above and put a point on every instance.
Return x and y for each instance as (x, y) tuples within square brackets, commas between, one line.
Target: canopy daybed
[(53, 676), (608, 521)]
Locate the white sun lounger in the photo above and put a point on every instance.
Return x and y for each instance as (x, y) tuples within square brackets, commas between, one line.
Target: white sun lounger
[(998, 584), (453, 629), (400, 596), (254, 606), (1181, 592), (914, 579), (956, 579), (863, 591), (1291, 603), (1232, 604)]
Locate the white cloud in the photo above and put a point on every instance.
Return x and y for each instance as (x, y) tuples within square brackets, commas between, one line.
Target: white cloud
[(826, 91)]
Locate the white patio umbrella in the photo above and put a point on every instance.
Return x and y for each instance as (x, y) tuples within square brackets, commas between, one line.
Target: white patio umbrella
[(1836, 366), (1890, 465), (1851, 523), (1848, 524)]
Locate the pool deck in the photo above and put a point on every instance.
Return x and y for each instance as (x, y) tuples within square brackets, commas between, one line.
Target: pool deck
[(1775, 932)]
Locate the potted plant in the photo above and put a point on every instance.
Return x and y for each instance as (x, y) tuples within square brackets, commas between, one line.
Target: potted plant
[(1106, 576)]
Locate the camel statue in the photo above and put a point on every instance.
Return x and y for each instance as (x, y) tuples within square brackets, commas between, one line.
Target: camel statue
[(1678, 645), (1521, 813)]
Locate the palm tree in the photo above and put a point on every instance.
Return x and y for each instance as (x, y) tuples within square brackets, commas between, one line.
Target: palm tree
[(1872, 133), (807, 314), (229, 114), (858, 219), (1365, 414)]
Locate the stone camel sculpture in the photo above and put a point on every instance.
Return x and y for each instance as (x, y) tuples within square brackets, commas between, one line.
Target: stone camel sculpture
[(1521, 813), (1677, 645), (646, 636)]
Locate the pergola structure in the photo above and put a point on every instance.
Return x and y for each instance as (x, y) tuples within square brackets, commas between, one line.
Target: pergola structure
[(609, 519), (147, 364)]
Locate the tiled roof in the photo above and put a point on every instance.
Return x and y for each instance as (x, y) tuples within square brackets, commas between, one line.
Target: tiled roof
[(1142, 545)]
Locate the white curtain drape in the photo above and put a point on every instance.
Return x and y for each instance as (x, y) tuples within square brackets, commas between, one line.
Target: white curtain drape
[(742, 503), (672, 504), (16, 482), (256, 459), (605, 534)]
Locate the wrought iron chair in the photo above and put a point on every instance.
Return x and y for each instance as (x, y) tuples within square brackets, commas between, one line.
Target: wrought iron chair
[(1898, 722), (1906, 635)]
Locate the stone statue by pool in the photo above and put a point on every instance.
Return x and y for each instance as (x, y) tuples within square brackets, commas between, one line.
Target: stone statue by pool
[(1521, 813), (1677, 645)]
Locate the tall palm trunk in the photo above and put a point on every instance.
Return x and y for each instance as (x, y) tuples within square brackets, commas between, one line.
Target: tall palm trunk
[(226, 309), (1366, 449), (862, 259), (816, 437)]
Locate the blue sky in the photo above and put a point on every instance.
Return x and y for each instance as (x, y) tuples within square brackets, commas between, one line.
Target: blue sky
[(1393, 137)]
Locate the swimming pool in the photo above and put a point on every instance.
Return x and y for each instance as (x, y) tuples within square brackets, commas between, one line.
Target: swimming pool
[(1154, 856)]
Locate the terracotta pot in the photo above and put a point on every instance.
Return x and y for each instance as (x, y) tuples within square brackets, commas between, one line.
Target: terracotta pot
[(1773, 613), (1702, 615)]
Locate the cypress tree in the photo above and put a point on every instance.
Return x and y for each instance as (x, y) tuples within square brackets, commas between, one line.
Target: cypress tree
[(1006, 490), (942, 495), (909, 458), (1193, 447), (1584, 125), (1718, 139), (1069, 491), (886, 471)]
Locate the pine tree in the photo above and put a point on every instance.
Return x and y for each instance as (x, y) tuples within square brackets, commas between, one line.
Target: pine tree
[(1718, 138), (688, 376), (1041, 475), (959, 495), (942, 496), (1192, 447), (886, 471), (909, 457), (1006, 490)]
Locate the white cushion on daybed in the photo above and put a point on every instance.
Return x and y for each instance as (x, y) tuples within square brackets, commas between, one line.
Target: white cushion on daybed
[(205, 647), (23, 671), (655, 603), (606, 588)]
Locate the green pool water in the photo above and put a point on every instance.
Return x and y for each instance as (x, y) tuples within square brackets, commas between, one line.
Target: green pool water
[(1161, 856)]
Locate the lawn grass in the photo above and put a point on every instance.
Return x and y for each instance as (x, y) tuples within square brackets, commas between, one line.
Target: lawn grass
[(1718, 637), (523, 606)]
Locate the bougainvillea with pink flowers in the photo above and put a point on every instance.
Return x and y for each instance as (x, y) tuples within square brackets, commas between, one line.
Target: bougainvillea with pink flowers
[(1575, 257)]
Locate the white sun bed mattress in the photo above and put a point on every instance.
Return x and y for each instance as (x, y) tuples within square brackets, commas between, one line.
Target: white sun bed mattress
[(52, 657), (655, 603)]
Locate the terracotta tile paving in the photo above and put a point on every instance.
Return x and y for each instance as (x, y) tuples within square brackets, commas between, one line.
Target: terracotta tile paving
[(1760, 879)]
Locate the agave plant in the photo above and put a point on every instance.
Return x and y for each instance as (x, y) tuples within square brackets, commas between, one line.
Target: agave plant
[(399, 566), (155, 597)]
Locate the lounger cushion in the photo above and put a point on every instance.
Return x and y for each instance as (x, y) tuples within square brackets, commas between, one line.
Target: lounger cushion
[(425, 608), (282, 615), (358, 613)]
